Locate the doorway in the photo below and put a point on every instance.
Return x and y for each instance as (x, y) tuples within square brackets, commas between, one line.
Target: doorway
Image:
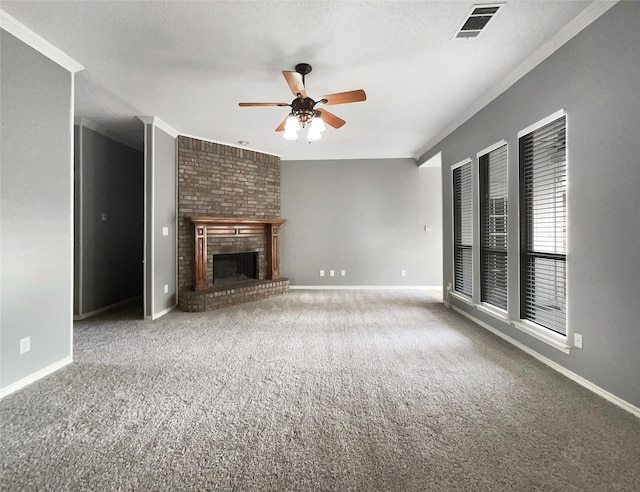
[(108, 220)]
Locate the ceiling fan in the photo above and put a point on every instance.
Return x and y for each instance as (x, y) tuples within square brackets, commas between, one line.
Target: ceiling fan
[(303, 108)]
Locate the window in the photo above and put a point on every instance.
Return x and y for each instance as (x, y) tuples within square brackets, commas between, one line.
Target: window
[(462, 229), (543, 224), (492, 166)]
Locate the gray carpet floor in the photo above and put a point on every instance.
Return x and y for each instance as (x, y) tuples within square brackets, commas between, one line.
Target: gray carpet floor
[(316, 390)]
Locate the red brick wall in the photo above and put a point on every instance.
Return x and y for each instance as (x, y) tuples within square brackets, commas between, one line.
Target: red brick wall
[(221, 181)]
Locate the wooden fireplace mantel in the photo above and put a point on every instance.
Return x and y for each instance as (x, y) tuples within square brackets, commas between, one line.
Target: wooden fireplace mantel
[(204, 227)]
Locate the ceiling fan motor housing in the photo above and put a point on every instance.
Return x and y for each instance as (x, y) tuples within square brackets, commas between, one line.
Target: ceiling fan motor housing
[(302, 107)]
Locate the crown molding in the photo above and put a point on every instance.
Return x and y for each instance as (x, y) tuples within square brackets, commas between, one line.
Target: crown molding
[(27, 36), (82, 121), (435, 161), (147, 120), (165, 127), (157, 122), (592, 12)]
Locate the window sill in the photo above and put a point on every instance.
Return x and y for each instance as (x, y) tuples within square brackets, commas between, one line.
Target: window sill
[(556, 341), (497, 313), (461, 297)]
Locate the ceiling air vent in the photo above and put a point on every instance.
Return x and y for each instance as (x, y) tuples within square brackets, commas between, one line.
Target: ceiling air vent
[(477, 20)]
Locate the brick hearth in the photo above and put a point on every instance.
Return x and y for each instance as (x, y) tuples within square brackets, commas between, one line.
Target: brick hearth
[(219, 297)]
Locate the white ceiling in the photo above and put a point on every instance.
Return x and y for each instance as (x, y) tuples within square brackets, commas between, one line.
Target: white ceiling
[(191, 63)]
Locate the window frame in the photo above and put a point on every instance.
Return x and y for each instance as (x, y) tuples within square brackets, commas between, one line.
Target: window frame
[(491, 307), (467, 297), (544, 333)]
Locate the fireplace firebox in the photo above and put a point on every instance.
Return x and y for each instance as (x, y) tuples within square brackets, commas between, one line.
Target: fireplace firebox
[(234, 267)]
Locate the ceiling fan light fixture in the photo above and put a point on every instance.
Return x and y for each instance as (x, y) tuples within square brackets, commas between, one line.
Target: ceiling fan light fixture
[(291, 128), (290, 135), (317, 125), (292, 124), (316, 128)]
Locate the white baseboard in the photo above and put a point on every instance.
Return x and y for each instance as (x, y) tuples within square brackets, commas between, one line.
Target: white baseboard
[(161, 313), (365, 287), (12, 388), (78, 317), (625, 405)]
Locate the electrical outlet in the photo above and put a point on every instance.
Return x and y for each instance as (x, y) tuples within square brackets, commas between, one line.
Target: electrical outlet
[(343, 273), (25, 345), (404, 272), (166, 288), (104, 217), (322, 273), (165, 231), (577, 340), (332, 273), (428, 228)]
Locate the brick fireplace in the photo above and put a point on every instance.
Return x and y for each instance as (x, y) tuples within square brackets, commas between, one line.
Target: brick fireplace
[(241, 188)]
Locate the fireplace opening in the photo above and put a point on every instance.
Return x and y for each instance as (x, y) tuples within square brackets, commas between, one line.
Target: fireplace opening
[(234, 267)]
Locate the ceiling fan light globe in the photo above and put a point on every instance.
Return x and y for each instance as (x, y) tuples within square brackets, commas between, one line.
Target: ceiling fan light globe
[(317, 125), (313, 136), (290, 134), (292, 124)]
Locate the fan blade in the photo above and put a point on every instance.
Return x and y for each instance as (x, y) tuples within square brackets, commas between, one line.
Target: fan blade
[(345, 97), (294, 79), (281, 125), (262, 104), (331, 119)]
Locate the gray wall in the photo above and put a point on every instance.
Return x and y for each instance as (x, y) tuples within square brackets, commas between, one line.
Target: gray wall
[(363, 216), (36, 214), (595, 78), (108, 179), (160, 212)]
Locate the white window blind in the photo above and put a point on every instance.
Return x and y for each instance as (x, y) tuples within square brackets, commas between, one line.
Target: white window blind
[(463, 229), (543, 216), (493, 227)]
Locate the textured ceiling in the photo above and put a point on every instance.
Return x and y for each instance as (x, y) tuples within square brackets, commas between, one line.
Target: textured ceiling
[(190, 63)]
